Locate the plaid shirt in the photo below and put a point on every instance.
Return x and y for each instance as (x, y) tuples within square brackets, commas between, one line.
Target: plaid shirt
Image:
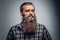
[(16, 33)]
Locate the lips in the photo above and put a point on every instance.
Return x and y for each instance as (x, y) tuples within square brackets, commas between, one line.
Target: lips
[(30, 18)]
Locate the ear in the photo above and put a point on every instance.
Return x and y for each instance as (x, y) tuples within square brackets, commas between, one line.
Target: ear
[(21, 13)]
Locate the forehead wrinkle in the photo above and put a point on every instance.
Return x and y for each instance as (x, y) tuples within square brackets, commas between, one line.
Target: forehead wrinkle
[(28, 7)]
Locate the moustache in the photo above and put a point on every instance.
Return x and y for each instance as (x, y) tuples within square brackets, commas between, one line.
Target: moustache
[(31, 15)]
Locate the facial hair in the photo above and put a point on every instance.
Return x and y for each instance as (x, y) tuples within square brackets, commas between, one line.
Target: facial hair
[(29, 26)]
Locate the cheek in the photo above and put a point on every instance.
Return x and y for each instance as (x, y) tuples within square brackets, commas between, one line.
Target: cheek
[(33, 14), (26, 14)]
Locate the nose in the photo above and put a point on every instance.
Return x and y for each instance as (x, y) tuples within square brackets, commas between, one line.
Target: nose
[(30, 14)]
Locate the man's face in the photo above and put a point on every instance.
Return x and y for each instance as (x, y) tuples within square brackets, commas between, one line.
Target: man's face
[(29, 22), (28, 11)]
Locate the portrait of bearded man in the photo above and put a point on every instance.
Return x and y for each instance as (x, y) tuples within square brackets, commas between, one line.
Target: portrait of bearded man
[(28, 29)]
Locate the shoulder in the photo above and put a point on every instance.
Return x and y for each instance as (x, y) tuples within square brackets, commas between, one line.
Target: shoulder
[(15, 27), (41, 26)]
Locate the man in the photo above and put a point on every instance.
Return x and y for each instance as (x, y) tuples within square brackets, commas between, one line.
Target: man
[(28, 29)]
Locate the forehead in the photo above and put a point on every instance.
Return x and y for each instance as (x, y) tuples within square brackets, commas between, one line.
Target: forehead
[(28, 7)]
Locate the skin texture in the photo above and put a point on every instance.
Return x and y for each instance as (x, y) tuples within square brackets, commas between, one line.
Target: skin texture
[(29, 23)]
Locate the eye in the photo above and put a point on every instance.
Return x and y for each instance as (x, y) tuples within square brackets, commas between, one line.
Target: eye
[(32, 10), (27, 10)]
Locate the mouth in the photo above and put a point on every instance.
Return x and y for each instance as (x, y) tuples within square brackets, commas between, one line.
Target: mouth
[(30, 18)]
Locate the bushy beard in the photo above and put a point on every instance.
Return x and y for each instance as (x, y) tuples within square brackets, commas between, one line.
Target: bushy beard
[(29, 26)]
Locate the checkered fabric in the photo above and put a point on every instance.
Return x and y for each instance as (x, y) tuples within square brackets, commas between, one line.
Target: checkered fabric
[(16, 33)]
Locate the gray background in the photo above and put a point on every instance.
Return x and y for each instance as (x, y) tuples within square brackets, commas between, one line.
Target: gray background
[(10, 15)]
